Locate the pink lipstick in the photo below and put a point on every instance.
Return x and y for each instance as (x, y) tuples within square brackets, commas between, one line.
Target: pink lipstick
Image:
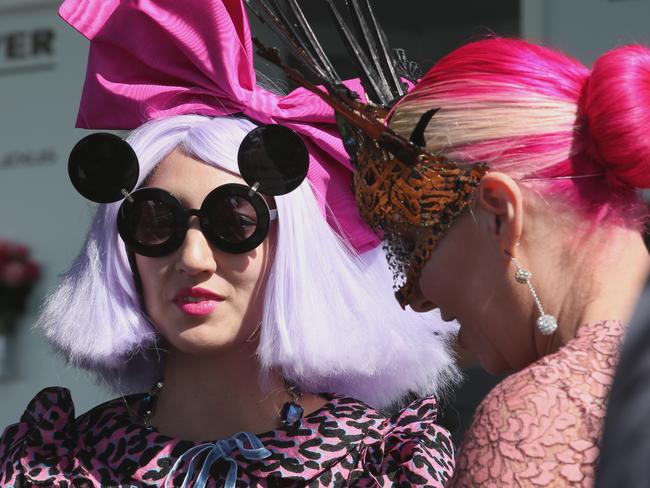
[(197, 302)]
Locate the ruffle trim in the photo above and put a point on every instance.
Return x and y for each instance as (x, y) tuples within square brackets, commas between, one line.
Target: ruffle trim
[(407, 449), (413, 450)]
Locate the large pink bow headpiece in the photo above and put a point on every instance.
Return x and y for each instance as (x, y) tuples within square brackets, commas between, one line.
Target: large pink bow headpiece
[(155, 58)]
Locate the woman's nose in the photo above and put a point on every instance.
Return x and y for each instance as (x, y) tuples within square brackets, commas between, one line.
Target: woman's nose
[(418, 302), (195, 255)]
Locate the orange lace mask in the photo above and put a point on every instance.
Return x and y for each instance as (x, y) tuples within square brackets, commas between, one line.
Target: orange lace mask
[(412, 198)]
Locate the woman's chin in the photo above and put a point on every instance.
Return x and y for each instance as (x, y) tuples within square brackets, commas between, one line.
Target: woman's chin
[(199, 341)]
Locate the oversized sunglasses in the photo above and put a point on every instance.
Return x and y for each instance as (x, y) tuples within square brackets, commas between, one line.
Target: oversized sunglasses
[(235, 218)]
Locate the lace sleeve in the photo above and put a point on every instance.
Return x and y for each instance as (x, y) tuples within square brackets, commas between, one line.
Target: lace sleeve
[(524, 434), (542, 425)]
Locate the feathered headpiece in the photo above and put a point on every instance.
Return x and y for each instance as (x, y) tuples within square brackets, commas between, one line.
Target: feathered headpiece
[(407, 193)]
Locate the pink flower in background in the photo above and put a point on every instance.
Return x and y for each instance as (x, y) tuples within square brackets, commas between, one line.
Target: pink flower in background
[(18, 274), (12, 273)]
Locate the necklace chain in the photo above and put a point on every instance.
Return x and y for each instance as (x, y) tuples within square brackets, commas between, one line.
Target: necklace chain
[(291, 411), (148, 405)]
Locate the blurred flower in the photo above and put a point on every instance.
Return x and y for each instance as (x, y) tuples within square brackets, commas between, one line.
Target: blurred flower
[(18, 275)]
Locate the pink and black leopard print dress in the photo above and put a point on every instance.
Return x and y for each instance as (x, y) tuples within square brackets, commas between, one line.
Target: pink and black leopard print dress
[(344, 443)]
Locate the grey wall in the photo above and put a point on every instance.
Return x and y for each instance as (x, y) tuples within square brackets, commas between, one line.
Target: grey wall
[(39, 93), (586, 28)]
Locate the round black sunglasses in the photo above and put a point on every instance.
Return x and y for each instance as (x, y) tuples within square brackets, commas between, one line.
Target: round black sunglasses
[(235, 218)]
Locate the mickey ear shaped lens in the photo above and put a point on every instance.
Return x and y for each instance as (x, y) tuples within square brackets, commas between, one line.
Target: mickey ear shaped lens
[(273, 157), (101, 166)]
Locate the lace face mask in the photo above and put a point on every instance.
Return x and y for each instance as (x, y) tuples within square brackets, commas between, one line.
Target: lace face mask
[(411, 201)]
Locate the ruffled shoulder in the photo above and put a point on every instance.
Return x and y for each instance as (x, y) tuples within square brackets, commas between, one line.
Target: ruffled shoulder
[(412, 450), (42, 442), (11, 443)]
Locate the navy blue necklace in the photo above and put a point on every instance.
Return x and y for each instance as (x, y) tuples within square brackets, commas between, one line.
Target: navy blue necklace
[(290, 413)]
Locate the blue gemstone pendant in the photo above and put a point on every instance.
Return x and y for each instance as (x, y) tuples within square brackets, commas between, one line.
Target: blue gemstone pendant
[(291, 413)]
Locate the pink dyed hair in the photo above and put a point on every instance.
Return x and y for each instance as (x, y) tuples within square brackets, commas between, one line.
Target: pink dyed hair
[(544, 119)]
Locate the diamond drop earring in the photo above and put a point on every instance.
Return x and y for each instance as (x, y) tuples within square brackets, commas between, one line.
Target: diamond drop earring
[(546, 323)]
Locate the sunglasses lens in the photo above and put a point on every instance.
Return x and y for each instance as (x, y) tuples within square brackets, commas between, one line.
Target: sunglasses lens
[(150, 222), (233, 217), (154, 223)]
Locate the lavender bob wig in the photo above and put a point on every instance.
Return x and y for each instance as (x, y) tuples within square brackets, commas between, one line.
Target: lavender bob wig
[(330, 320)]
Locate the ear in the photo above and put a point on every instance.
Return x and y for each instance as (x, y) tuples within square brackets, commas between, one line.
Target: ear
[(500, 201)]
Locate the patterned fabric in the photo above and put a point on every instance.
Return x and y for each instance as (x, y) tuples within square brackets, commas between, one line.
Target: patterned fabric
[(345, 443), (541, 426)]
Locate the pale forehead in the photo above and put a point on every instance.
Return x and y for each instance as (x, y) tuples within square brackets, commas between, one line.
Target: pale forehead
[(188, 177)]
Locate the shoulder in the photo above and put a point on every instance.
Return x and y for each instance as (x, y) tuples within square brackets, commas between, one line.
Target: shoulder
[(11, 442), (411, 449), (49, 413), (51, 409), (576, 377), (42, 447), (538, 425)]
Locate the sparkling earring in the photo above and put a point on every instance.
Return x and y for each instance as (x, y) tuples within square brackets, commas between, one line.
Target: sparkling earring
[(546, 323)]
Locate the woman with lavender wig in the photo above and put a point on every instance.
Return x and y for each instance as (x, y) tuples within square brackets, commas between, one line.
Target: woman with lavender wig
[(239, 343)]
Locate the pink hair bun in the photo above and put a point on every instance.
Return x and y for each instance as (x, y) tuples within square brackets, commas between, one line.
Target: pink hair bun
[(617, 108)]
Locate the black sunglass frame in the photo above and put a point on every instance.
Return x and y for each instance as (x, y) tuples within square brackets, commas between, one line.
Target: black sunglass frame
[(181, 216)]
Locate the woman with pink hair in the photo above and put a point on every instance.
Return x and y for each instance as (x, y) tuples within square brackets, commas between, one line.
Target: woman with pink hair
[(545, 261), (228, 272)]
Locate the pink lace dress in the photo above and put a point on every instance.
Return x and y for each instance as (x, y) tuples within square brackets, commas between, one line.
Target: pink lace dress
[(541, 426)]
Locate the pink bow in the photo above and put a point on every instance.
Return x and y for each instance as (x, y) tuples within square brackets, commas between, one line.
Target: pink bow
[(151, 59)]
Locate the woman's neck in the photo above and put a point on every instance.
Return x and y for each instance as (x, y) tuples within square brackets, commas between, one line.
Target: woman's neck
[(607, 289), (210, 397)]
